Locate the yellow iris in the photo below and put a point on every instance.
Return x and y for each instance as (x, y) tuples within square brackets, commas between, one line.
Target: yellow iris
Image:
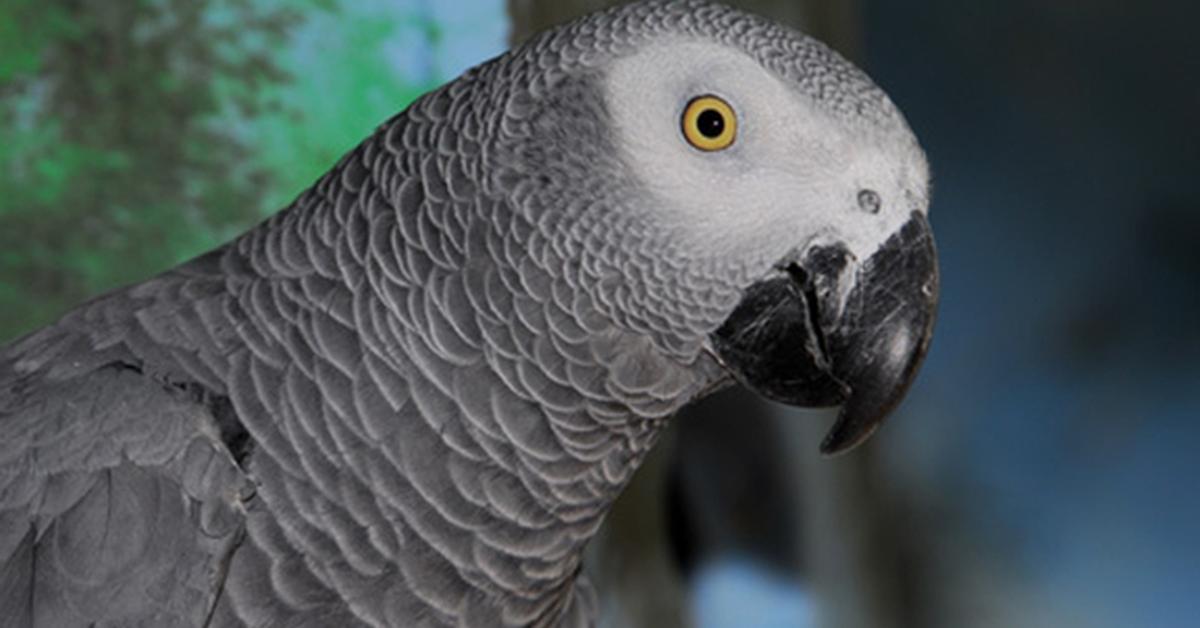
[(709, 123)]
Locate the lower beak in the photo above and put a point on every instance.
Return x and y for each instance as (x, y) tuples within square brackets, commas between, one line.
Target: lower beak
[(823, 331)]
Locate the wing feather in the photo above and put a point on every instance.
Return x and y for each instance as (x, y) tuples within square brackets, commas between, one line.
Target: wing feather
[(119, 503)]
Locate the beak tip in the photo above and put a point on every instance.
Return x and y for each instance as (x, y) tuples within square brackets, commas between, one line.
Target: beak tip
[(846, 434)]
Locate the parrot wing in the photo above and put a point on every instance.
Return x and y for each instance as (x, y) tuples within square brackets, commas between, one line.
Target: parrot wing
[(119, 502)]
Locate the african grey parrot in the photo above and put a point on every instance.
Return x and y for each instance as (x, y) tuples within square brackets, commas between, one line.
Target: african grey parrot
[(409, 398)]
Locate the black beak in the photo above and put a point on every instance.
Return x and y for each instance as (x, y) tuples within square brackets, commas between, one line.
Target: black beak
[(822, 331)]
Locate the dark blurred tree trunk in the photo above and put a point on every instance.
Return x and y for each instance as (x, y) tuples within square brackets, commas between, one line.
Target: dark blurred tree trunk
[(845, 541)]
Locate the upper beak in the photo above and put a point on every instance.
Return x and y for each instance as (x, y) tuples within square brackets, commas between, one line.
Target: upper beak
[(822, 330)]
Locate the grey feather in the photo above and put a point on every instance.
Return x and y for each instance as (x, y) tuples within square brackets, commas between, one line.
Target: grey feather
[(445, 361)]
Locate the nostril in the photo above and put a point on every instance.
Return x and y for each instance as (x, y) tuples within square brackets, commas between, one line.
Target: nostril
[(869, 201)]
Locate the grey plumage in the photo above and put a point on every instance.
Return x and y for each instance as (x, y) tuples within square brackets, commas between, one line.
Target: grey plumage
[(409, 398)]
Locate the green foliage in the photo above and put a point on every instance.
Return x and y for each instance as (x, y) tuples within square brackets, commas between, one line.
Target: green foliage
[(26, 26), (137, 134), (349, 87), (116, 159)]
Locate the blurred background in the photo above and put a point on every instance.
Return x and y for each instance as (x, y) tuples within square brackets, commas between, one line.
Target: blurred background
[(1042, 471)]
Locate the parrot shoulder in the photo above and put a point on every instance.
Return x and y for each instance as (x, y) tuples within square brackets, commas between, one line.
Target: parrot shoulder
[(119, 502)]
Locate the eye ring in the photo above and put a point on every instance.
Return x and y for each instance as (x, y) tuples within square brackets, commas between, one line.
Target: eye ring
[(709, 123)]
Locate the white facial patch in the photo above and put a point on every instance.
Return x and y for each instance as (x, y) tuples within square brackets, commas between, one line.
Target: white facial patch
[(792, 176)]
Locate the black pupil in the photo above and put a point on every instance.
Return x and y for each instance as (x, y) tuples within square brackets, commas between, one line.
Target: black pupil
[(710, 123)]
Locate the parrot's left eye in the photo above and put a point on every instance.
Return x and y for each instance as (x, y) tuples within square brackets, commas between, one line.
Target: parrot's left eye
[(709, 123)]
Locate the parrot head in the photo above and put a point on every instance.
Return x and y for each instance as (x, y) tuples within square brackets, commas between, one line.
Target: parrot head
[(741, 193)]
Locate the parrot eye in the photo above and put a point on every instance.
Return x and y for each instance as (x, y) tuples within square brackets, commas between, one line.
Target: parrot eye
[(709, 123)]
